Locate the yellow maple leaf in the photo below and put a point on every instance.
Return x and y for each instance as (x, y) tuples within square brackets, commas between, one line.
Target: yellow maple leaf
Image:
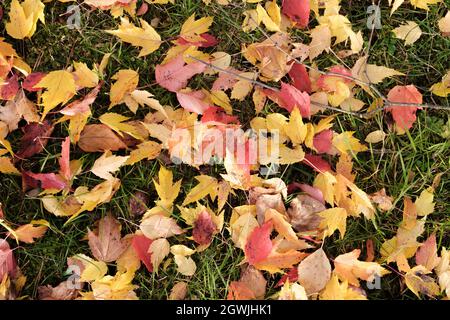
[(334, 219), (145, 37), (147, 150), (84, 77), (126, 82), (60, 87), (348, 267), (345, 142), (167, 190), (295, 129), (116, 122), (23, 18), (192, 29), (417, 281), (207, 186)]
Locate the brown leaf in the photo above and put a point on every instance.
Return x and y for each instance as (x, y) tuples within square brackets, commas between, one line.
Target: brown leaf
[(314, 272), (138, 203), (303, 213), (255, 281), (99, 138), (63, 291), (178, 291), (34, 139), (108, 245)]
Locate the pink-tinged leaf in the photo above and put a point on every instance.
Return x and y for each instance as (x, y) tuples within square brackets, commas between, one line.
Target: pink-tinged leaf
[(322, 141), (289, 97), (291, 275), (300, 78), (404, 117), (298, 11), (64, 161), (259, 245), (141, 244), (31, 80), (82, 105), (34, 139), (44, 180), (7, 261), (225, 80), (426, 255), (193, 101), (9, 88), (204, 229), (311, 191), (217, 114), (317, 163), (210, 41), (142, 9), (323, 84), (174, 75)]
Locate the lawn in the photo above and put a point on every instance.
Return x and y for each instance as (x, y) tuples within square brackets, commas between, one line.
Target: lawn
[(404, 165)]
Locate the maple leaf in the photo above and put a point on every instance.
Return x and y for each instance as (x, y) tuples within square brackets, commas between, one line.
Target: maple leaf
[(145, 37), (23, 18), (404, 116), (28, 232), (348, 267), (141, 245), (314, 272), (192, 29), (117, 123), (146, 150), (107, 245), (426, 255), (259, 245), (333, 219), (207, 186), (174, 75), (417, 281), (345, 142), (336, 290), (159, 226), (84, 77), (320, 41), (107, 164), (126, 82)]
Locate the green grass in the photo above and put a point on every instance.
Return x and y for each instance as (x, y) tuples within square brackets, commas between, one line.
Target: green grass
[(404, 165)]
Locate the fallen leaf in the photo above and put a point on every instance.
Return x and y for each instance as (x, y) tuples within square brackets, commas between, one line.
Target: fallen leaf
[(314, 272), (107, 244)]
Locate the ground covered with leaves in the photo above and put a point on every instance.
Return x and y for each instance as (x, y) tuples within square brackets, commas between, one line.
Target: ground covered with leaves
[(128, 169)]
